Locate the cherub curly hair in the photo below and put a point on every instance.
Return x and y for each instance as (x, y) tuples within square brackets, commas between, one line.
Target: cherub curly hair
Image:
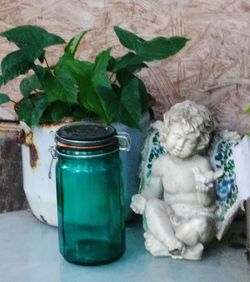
[(194, 118)]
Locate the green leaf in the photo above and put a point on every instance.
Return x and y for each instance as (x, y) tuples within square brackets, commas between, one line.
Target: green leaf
[(4, 98), (82, 72), (78, 112), (156, 49), (57, 111), (72, 46), (101, 85), (41, 58), (126, 61), (60, 111), (125, 106), (1, 80), (31, 37), (29, 84), (128, 39), (130, 109), (100, 76), (247, 111), (25, 110), (124, 77), (40, 103), (18, 62), (136, 67), (144, 95), (58, 87), (160, 48)]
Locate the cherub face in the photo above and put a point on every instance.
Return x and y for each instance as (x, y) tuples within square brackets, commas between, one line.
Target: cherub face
[(179, 143)]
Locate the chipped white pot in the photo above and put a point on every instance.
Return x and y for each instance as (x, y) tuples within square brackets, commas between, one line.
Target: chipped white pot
[(40, 190)]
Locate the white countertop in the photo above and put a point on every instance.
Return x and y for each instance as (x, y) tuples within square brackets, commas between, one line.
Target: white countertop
[(29, 253)]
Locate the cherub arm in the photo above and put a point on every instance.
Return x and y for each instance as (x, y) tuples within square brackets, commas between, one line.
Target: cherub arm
[(204, 178), (154, 190), (204, 181)]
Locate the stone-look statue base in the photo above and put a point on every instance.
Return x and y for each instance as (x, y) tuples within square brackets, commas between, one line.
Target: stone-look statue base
[(179, 204)]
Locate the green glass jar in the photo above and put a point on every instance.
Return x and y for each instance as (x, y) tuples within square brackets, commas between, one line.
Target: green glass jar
[(89, 194)]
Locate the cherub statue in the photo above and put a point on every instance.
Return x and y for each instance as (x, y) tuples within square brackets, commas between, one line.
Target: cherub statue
[(179, 204)]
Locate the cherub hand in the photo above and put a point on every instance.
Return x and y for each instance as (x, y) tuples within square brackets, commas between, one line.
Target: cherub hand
[(138, 203), (204, 182)]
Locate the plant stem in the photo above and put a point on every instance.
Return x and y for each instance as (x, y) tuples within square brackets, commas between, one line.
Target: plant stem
[(13, 101), (111, 76), (46, 63)]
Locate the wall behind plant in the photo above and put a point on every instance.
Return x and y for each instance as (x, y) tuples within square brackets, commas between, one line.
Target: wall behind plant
[(213, 69)]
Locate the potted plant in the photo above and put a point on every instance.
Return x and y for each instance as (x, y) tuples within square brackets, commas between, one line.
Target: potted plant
[(71, 90)]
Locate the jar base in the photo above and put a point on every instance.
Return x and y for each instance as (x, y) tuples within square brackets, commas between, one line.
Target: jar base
[(92, 252)]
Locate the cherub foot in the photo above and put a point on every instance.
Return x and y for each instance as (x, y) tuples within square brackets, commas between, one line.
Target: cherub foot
[(154, 246), (194, 252), (175, 248)]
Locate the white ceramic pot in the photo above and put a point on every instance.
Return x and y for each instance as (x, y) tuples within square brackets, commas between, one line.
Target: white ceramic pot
[(40, 190)]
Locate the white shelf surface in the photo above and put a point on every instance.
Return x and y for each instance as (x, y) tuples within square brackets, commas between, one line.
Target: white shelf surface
[(29, 253)]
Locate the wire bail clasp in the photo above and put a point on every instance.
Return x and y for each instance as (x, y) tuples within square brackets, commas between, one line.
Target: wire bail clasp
[(53, 153), (124, 141)]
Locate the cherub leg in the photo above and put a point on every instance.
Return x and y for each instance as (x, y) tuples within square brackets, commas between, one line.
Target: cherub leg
[(154, 246), (199, 229), (160, 226), (195, 233)]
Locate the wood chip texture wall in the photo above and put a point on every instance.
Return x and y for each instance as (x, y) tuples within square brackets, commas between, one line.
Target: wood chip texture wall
[(213, 69)]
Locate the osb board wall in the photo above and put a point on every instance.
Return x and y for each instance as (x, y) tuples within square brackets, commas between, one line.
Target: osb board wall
[(213, 69)]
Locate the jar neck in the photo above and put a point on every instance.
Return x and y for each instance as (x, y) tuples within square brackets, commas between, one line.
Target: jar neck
[(87, 152)]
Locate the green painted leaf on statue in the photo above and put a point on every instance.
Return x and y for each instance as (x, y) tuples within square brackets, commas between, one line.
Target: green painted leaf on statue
[(4, 98), (128, 39), (60, 86), (31, 37), (73, 44), (161, 48), (18, 62), (29, 84)]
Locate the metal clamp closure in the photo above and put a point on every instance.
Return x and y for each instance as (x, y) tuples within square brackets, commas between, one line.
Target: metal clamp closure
[(124, 141)]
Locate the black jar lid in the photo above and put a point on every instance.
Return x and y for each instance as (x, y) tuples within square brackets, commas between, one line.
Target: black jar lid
[(86, 135)]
